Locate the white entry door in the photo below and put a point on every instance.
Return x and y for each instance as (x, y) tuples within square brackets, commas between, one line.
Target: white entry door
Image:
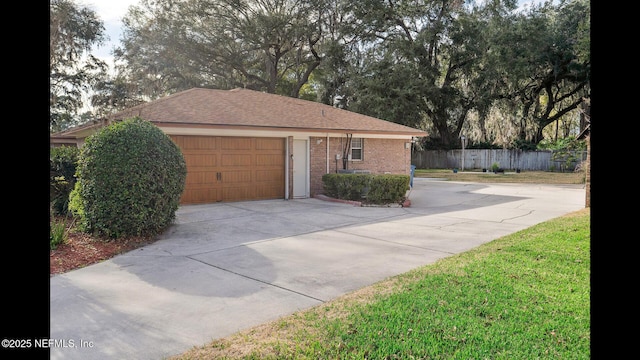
[(300, 169)]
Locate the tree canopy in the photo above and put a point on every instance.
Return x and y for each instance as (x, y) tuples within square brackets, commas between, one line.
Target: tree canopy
[(73, 70), (486, 70), (547, 58), (266, 45)]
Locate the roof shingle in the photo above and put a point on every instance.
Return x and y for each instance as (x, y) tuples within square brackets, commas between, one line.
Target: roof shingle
[(243, 107)]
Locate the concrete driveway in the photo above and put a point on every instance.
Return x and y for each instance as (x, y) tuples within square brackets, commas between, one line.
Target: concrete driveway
[(226, 267)]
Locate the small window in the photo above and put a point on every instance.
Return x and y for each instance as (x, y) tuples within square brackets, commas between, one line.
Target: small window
[(357, 145)]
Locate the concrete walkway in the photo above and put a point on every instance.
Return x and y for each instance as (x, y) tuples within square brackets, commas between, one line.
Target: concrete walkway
[(227, 267)]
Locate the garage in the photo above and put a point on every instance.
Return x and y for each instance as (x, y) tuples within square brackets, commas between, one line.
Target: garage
[(242, 145), (232, 168)]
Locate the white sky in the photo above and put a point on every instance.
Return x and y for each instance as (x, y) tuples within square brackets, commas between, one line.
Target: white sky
[(110, 12)]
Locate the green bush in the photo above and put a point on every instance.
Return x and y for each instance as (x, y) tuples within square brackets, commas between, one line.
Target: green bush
[(346, 186), (375, 189), (62, 169), (75, 206), (131, 176), (57, 233), (388, 189)]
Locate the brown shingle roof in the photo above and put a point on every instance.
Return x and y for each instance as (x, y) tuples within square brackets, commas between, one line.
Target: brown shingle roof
[(243, 107)]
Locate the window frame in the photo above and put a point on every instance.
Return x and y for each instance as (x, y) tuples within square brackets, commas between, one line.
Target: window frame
[(360, 147)]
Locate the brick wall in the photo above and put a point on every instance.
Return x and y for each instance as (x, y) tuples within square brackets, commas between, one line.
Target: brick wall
[(380, 156)]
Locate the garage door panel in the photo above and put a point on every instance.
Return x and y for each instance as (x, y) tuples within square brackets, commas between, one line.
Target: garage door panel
[(200, 196), (194, 178), (238, 193), (187, 143), (269, 192), (274, 175), (201, 160), (243, 160), (236, 177), (232, 168), (236, 143), (269, 160), (269, 144), (201, 177)]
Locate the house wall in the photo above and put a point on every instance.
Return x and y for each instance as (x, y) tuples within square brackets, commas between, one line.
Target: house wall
[(390, 156), (380, 156)]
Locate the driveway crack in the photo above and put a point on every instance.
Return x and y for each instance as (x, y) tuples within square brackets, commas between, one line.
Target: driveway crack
[(257, 280)]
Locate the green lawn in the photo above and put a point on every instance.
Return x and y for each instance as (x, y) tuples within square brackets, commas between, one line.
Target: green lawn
[(523, 296), (532, 177)]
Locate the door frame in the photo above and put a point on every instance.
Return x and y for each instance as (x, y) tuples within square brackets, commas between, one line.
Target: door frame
[(301, 168)]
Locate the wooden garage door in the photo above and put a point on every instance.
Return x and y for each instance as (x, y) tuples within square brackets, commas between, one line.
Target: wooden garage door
[(232, 168)]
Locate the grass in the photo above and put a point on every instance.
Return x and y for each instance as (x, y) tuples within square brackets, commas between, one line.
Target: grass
[(532, 177), (522, 296), (58, 232)]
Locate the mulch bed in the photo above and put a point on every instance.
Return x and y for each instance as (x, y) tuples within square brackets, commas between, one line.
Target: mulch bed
[(82, 249)]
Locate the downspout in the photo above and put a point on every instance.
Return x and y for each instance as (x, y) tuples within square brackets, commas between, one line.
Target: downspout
[(327, 153), (345, 152)]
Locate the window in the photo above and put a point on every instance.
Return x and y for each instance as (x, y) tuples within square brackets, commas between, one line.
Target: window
[(357, 145)]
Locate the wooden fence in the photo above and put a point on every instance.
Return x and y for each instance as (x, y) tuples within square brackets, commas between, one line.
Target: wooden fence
[(543, 160)]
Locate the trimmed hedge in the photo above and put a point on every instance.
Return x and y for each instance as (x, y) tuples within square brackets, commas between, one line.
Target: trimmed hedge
[(346, 186), (374, 189), (131, 176), (388, 189)]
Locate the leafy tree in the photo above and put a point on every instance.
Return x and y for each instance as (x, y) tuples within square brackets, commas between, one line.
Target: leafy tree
[(450, 67), (422, 62), (267, 45), (545, 53), (340, 49), (113, 94), (73, 31)]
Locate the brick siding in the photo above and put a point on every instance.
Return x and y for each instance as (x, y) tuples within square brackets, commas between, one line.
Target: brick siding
[(380, 156)]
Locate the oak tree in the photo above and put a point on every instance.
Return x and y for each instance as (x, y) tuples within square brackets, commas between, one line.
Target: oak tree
[(73, 31)]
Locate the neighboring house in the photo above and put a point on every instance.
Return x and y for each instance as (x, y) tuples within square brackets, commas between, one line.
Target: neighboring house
[(247, 145)]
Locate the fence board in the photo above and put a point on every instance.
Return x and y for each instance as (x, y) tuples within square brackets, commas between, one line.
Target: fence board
[(510, 159)]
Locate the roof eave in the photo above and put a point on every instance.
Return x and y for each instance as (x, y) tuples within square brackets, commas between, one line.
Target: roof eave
[(417, 133)]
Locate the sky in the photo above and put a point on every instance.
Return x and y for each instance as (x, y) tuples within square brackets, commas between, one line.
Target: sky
[(112, 11)]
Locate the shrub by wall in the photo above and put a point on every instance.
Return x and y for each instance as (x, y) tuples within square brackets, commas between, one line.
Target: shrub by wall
[(346, 186), (388, 189), (375, 189), (131, 178)]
